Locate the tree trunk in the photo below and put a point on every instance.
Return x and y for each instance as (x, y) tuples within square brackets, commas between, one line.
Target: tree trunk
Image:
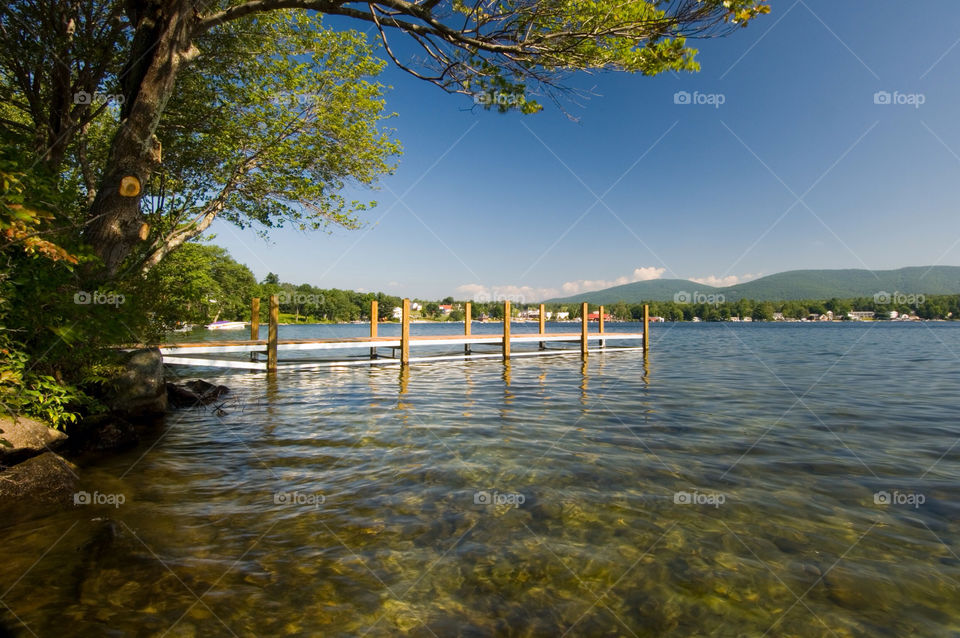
[(162, 44)]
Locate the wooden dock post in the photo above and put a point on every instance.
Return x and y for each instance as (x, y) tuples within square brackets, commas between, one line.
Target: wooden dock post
[(255, 319), (646, 328), (272, 333), (506, 329), (601, 325), (405, 333), (374, 318), (255, 325), (467, 321), (584, 311), (542, 326)]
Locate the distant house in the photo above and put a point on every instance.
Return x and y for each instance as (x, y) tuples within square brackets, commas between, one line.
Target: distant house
[(657, 319), (446, 308), (397, 312), (534, 313), (860, 315), (563, 315), (778, 316), (595, 316)]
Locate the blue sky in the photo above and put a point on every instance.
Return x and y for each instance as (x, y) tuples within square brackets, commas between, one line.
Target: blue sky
[(798, 168)]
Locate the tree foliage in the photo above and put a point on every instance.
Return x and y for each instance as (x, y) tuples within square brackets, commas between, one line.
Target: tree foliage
[(35, 296), (200, 283), (280, 117), (272, 140)]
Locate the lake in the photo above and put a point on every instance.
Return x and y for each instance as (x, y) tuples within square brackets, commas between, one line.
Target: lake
[(743, 480)]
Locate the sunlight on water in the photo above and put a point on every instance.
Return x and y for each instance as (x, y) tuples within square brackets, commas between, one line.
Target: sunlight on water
[(793, 480)]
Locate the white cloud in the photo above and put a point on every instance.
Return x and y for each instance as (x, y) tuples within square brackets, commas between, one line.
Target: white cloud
[(723, 282), (586, 285), (472, 290), (529, 294)]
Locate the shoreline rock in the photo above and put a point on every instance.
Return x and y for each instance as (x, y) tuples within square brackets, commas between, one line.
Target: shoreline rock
[(47, 478), (22, 438), (139, 390), (31, 468)]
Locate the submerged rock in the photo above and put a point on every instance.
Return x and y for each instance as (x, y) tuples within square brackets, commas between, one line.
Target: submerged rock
[(193, 393), (100, 433), (847, 589), (47, 478)]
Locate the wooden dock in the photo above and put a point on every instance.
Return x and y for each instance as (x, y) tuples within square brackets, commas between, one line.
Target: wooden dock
[(379, 350)]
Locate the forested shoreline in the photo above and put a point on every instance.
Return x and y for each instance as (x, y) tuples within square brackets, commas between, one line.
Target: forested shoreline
[(202, 283)]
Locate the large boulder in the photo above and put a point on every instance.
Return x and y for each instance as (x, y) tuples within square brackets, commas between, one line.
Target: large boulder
[(24, 432), (139, 390), (22, 438), (47, 478)]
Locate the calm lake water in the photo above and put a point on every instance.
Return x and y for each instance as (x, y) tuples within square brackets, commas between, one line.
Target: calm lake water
[(746, 480)]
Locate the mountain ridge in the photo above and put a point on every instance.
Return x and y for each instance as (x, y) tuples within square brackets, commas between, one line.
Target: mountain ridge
[(786, 286)]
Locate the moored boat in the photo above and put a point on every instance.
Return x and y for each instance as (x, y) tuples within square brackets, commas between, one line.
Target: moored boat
[(227, 325)]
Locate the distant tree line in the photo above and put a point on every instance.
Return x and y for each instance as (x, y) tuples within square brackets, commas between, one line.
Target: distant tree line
[(929, 307), (202, 283), (308, 303), (924, 307)]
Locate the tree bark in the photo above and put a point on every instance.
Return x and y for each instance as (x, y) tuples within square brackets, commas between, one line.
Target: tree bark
[(163, 43)]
